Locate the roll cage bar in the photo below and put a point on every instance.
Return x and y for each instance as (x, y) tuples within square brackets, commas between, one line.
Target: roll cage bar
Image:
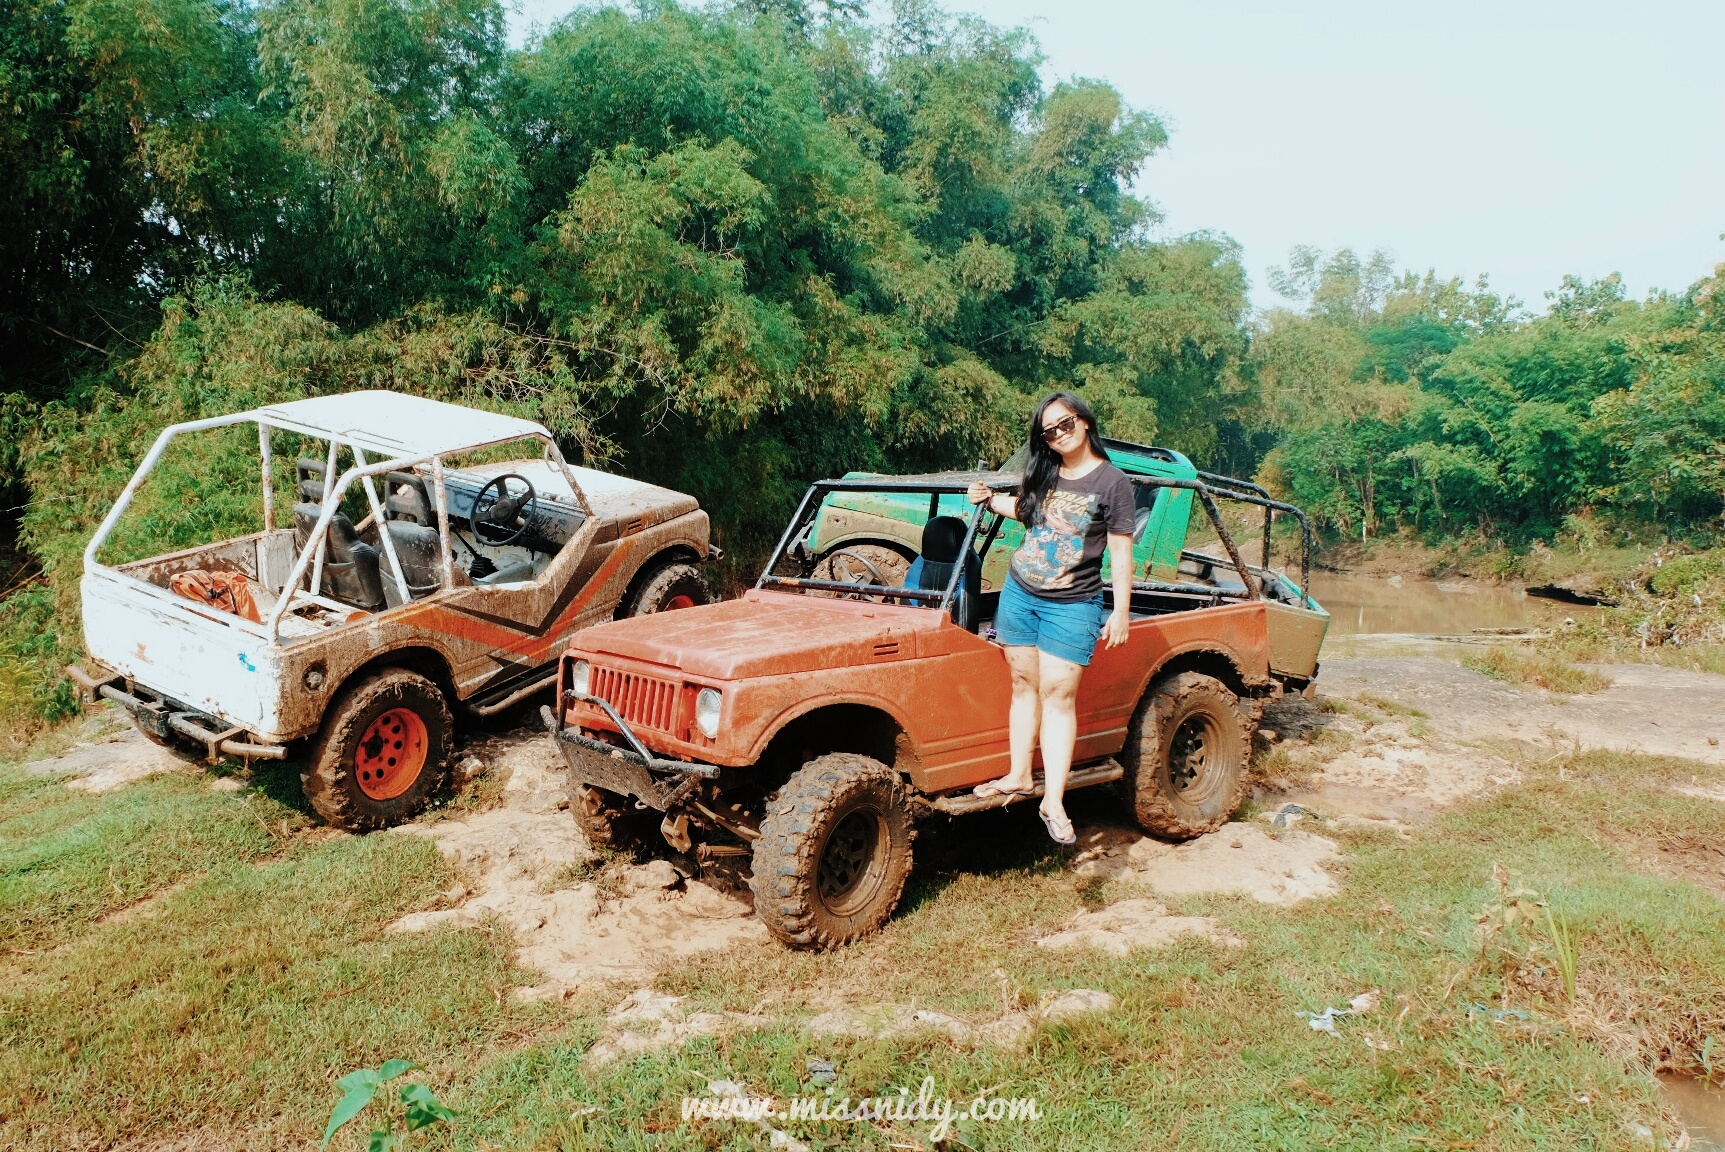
[(363, 471), (1208, 487)]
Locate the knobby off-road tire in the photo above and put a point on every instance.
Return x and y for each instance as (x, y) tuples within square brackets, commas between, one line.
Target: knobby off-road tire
[(383, 752), (834, 852), (668, 588), (1185, 756), (612, 823)]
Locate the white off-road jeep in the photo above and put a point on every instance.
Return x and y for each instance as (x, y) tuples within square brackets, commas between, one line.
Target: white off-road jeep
[(430, 565)]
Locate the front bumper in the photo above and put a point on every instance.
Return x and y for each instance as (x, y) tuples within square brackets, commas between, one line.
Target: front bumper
[(633, 772), (168, 719)]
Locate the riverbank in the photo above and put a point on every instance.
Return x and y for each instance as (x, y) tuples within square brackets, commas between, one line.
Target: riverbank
[(1593, 569)]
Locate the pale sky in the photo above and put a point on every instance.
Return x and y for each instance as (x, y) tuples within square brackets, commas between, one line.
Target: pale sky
[(1519, 138)]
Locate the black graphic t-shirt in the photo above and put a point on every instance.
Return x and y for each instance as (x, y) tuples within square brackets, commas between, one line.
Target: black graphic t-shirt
[(1061, 557)]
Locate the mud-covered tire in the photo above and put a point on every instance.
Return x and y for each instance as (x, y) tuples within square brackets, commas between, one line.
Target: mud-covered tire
[(1186, 755), (612, 823), (834, 852), (331, 778), (890, 562), (667, 588)]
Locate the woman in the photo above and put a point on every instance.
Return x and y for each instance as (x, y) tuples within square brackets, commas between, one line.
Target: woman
[(1073, 501)]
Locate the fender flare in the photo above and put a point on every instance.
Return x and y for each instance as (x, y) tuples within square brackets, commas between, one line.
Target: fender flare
[(807, 707)]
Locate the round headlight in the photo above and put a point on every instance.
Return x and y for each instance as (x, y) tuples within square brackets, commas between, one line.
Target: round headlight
[(707, 712), (581, 677)]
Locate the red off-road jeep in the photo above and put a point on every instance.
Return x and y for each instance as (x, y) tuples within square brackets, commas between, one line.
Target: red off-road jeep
[(807, 726)]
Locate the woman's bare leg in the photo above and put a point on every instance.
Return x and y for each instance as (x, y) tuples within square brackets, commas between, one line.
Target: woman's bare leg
[(1022, 662), (1058, 683)]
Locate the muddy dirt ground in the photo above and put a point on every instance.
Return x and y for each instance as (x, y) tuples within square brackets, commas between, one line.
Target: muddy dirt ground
[(1390, 740)]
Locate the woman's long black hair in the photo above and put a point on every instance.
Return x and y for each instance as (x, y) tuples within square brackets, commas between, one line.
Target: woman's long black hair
[(1044, 466)]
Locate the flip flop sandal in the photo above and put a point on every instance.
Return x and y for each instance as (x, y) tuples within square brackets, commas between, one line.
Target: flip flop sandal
[(993, 788), (1071, 836)]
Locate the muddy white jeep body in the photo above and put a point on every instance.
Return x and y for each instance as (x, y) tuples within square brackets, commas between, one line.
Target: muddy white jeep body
[(458, 586)]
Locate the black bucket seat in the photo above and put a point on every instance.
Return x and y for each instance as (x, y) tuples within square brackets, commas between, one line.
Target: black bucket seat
[(942, 541), (412, 529), (350, 572)]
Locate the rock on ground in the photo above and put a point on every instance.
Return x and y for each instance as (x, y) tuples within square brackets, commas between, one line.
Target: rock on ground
[(116, 756), (647, 1021), (1240, 858), (1011, 1029), (1119, 928), (520, 862)]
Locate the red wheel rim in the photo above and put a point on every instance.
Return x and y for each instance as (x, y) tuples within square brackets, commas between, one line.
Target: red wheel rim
[(675, 602), (390, 754)]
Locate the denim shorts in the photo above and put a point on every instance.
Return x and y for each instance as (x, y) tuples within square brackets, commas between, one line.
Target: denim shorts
[(1063, 628)]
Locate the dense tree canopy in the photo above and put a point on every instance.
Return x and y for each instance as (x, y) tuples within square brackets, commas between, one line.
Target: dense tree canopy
[(726, 248), (1418, 403)]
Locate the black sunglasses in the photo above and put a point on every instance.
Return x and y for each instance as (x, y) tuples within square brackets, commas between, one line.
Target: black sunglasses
[(1060, 428)]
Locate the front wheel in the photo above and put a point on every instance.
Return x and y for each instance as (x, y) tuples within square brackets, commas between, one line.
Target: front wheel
[(612, 823), (668, 588), (834, 852), (382, 754), (1185, 756)]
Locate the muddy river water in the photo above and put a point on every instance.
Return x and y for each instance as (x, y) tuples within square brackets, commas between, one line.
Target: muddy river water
[(1360, 604), (1702, 1109)]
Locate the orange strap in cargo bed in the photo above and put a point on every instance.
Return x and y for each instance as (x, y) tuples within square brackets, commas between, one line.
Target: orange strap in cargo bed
[(229, 591)]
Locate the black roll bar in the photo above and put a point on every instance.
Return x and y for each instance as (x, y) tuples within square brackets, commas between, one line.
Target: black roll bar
[(1208, 486)]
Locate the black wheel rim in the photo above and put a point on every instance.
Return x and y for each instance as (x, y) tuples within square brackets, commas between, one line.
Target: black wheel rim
[(1194, 758), (850, 862)]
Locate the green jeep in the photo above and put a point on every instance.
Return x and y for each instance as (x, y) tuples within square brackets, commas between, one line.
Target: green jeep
[(873, 537)]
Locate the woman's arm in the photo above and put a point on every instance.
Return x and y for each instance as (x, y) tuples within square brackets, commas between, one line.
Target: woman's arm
[(1119, 620), (980, 493)]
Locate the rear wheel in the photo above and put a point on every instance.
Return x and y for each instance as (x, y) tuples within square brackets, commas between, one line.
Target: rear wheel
[(668, 588), (383, 752), (834, 852), (1186, 755)]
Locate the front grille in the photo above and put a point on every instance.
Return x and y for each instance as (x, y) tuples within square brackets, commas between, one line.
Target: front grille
[(645, 701)]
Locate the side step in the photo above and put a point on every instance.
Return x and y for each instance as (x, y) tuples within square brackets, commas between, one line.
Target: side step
[(513, 693), (966, 802)]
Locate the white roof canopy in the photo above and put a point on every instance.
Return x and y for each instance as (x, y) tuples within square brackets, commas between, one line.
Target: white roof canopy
[(396, 424)]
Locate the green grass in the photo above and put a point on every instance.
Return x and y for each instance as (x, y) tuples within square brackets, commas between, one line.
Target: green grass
[(1541, 668), (224, 1013)]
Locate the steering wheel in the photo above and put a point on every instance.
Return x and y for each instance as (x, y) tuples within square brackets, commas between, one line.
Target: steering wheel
[(850, 577), (507, 516)]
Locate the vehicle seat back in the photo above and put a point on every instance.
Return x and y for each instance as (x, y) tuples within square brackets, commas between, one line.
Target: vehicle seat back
[(942, 541), (350, 571), (408, 499), (418, 549)]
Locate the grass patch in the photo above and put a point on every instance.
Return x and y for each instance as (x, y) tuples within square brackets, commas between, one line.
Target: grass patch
[(1393, 707), (226, 1015), (1541, 668)]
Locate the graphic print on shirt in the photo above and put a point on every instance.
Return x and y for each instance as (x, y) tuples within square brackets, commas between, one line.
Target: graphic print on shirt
[(1054, 546)]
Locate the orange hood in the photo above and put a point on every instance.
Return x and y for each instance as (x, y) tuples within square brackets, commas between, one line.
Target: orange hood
[(769, 634)]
